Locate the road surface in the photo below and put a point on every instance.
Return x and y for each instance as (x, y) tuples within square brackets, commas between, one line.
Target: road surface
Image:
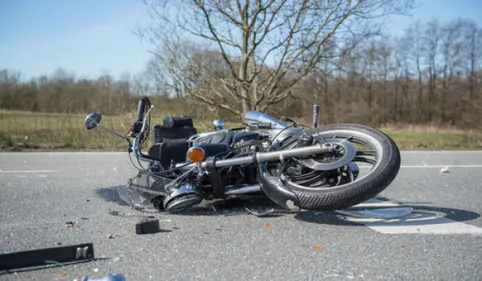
[(440, 240)]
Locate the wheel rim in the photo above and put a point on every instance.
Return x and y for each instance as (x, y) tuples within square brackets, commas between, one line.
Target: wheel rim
[(309, 179)]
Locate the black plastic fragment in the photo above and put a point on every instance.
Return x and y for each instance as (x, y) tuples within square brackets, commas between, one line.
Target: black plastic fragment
[(147, 226), (40, 257)]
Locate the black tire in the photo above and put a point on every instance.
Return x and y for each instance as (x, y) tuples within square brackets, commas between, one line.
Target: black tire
[(360, 190)]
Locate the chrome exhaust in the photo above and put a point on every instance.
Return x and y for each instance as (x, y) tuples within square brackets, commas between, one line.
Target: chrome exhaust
[(244, 190)]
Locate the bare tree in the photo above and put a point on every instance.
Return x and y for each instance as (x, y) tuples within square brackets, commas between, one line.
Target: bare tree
[(283, 39)]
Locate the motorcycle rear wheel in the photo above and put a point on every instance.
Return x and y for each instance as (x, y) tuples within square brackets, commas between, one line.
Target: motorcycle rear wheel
[(386, 167)]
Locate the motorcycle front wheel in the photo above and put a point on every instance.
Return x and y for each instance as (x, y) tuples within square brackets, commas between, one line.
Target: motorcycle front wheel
[(347, 185)]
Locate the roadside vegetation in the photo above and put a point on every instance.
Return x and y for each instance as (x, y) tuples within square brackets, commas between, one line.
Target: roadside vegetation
[(23, 130), (424, 87)]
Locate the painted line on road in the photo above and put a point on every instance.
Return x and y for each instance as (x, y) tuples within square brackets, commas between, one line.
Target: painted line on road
[(417, 222), (30, 171)]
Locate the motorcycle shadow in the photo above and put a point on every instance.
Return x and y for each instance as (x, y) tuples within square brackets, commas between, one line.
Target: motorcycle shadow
[(236, 205), (421, 214)]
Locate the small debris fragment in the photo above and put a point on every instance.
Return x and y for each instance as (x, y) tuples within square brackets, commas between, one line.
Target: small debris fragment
[(147, 226), (69, 223), (96, 269), (268, 225), (63, 273), (339, 273), (110, 236), (116, 213), (445, 170), (318, 247), (201, 213), (260, 214)]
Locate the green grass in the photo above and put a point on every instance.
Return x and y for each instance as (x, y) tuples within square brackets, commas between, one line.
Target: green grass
[(36, 130), (21, 130)]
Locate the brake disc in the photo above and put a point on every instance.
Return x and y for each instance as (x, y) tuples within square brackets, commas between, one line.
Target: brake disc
[(340, 146)]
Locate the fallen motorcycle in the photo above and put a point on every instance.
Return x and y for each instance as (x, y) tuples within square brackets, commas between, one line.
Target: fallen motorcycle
[(296, 166)]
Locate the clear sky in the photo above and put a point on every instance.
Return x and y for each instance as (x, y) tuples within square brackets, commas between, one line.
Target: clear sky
[(91, 37)]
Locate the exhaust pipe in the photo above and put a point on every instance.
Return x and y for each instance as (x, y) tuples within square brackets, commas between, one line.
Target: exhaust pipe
[(244, 190)]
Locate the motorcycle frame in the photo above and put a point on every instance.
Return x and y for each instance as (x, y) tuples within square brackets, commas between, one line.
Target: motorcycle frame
[(270, 186)]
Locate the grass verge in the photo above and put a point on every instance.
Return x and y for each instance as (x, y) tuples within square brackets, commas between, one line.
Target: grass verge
[(21, 130)]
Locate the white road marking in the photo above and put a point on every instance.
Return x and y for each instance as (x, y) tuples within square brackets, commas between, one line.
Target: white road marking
[(30, 171), (418, 222)]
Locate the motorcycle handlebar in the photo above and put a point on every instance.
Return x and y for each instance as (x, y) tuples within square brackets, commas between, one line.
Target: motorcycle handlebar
[(141, 108)]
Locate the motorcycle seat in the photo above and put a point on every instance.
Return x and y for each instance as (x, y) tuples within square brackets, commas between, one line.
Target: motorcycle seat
[(217, 138)]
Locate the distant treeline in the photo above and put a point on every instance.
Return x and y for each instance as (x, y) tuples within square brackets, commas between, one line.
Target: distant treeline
[(431, 75)]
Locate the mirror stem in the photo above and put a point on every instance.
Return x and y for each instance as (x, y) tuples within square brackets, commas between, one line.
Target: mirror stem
[(112, 132)]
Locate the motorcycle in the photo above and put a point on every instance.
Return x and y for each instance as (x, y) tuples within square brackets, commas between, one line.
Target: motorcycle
[(296, 166)]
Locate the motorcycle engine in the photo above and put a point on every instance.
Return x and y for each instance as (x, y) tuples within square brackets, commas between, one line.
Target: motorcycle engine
[(247, 142)]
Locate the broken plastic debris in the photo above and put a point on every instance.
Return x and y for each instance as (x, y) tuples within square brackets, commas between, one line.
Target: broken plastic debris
[(339, 273), (318, 247), (445, 170), (134, 198), (260, 214), (107, 277), (380, 213)]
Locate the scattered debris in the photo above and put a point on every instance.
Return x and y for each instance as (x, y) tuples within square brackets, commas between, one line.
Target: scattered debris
[(339, 273), (116, 213), (147, 226), (107, 277), (47, 256), (260, 214), (445, 170), (69, 223)]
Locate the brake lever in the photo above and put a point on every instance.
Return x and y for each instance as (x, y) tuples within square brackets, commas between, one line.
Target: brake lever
[(144, 122)]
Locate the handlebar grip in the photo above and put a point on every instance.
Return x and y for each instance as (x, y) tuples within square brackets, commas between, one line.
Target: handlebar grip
[(141, 108)]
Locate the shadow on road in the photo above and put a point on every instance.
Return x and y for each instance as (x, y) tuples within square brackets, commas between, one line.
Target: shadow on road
[(422, 214), (110, 194)]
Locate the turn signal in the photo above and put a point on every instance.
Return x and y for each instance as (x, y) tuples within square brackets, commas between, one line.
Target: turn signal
[(195, 154)]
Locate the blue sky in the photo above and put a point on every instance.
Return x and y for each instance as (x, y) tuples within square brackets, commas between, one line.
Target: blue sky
[(92, 37)]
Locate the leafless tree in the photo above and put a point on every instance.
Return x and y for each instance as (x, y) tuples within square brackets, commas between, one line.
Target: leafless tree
[(285, 40)]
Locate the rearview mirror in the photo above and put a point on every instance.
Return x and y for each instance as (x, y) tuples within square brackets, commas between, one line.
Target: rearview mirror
[(92, 120)]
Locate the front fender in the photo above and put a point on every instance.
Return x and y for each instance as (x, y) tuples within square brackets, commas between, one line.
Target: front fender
[(276, 190)]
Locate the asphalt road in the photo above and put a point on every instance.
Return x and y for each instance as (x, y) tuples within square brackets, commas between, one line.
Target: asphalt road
[(440, 240)]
